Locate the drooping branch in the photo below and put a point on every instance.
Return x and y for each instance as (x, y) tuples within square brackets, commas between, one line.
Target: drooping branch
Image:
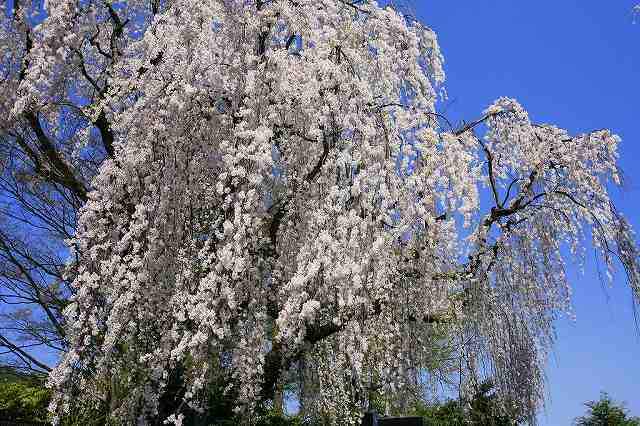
[(277, 362)]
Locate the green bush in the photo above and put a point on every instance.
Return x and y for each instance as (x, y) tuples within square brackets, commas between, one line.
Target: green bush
[(481, 410), (24, 400), (605, 412), (276, 420)]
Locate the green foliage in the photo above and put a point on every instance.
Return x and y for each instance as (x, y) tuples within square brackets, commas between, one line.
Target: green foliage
[(447, 414), (606, 413), (481, 411), (86, 416), (277, 420), (265, 420), (24, 399), (220, 411)]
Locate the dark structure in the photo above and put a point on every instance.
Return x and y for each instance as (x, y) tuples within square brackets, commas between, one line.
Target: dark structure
[(371, 418), (4, 422), (9, 419), (400, 421)]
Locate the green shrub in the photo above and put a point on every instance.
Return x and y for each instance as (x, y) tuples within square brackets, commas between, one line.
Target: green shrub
[(24, 400)]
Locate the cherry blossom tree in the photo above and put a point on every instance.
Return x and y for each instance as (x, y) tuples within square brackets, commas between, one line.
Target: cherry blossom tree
[(266, 188), (48, 155)]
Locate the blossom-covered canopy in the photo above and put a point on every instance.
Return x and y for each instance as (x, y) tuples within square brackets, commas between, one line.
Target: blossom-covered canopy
[(284, 196)]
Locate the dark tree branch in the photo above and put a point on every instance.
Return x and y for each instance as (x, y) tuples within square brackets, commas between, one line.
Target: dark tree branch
[(473, 124), (323, 158), (276, 362), (354, 5), (153, 61), (492, 179), (106, 134), (33, 285), (24, 356), (64, 175)]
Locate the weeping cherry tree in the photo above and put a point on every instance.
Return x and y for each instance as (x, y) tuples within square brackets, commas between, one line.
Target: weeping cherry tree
[(283, 197)]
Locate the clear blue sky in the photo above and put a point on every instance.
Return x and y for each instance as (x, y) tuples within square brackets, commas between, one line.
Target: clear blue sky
[(574, 63)]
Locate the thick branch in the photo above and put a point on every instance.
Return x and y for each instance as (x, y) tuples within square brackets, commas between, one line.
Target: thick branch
[(64, 175), (106, 133), (276, 362)]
